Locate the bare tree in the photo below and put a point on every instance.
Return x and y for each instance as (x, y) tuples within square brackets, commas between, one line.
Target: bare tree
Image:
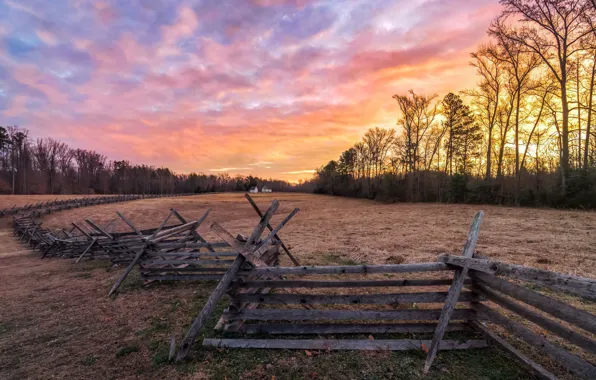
[(418, 114), (487, 96), (554, 30), (519, 64)]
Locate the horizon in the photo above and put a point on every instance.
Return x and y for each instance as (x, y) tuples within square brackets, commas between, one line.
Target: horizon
[(270, 88)]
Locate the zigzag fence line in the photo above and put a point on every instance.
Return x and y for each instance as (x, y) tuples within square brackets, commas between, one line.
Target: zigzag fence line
[(42, 208)]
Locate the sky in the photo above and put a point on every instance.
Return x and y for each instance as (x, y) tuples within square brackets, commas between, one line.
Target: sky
[(274, 88)]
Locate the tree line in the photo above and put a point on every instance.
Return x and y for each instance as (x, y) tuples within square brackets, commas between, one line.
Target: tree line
[(523, 135), (49, 166)]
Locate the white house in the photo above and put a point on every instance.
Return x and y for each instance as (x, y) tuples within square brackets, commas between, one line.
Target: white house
[(265, 189), (253, 189)]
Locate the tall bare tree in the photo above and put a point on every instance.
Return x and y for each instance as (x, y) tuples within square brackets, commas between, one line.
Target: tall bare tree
[(418, 115), (554, 30), (487, 96)]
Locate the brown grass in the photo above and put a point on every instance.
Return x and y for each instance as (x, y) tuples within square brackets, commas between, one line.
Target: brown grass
[(56, 320)]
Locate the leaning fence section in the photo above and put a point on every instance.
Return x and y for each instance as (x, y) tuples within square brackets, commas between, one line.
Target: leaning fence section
[(182, 254), (512, 299)]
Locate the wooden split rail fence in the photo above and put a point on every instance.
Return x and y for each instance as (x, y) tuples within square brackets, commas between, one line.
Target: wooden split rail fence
[(76, 241), (294, 301), (182, 254), (166, 253), (43, 208)]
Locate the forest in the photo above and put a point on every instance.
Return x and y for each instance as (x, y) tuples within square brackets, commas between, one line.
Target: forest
[(522, 136), (49, 166)]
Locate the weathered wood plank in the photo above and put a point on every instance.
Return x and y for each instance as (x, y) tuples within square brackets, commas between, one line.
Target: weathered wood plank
[(454, 291), (548, 324), (349, 269), (269, 240), (258, 230), (189, 254), (343, 284), (343, 344), (189, 262), (317, 328), (86, 250), (160, 236), (526, 361), (129, 223), (561, 310), (170, 270), (344, 315), (137, 257), (191, 245), (571, 362), (579, 286), (196, 277), (354, 299), (283, 246), (98, 229), (81, 230), (205, 313), (237, 246), (234, 326)]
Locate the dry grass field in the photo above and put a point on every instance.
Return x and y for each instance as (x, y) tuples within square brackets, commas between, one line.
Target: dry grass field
[(57, 322)]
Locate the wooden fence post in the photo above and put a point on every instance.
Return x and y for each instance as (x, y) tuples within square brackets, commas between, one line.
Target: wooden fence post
[(283, 246), (454, 291), (137, 257)]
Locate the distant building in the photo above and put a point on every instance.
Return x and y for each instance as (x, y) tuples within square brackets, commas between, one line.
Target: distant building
[(265, 189), (253, 189)]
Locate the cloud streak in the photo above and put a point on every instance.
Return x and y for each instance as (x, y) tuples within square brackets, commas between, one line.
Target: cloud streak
[(270, 87)]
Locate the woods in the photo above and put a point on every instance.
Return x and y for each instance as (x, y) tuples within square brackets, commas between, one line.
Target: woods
[(522, 136), (49, 166)]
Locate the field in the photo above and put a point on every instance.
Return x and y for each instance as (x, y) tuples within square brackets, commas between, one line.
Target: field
[(57, 322)]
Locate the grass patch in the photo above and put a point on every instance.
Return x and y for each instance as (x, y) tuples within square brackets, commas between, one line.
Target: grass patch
[(175, 304), (332, 258), (161, 353), (487, 364), (158, 325), (91, 265), (5, 328), (89, 361), (132, 282), (82, 275), (124, 351)]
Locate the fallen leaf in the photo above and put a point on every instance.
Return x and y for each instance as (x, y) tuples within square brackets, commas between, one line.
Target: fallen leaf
[(370, 337), (424, 348), (308, 353)]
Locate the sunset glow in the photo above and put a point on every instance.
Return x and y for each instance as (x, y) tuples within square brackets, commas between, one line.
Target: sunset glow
[(274, 88)]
